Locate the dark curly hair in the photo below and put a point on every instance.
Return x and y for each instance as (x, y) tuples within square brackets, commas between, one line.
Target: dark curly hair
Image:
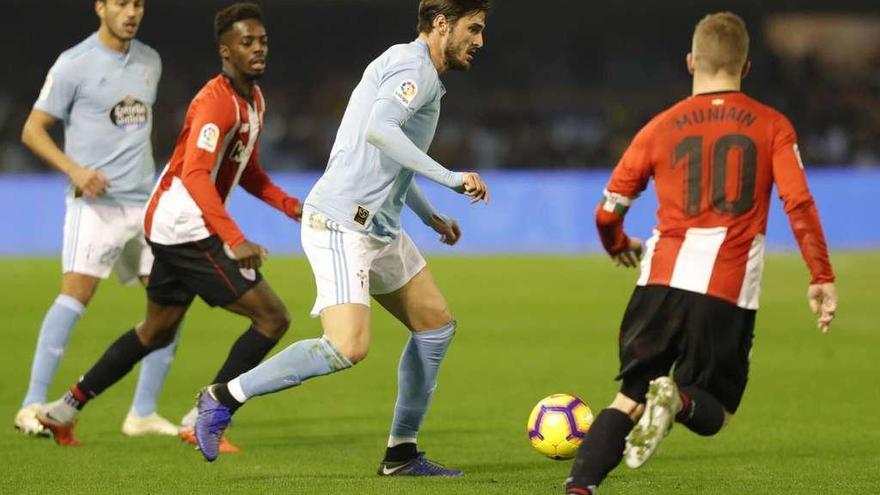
[(224, 19)]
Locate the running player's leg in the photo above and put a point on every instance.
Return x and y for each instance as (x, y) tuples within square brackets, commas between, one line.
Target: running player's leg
[(420, 306), (269, 321), (340, 259), (712, 372), (157, 330), (337, 256), (92, 241), (134, 264), (649, 336), (167, 301)]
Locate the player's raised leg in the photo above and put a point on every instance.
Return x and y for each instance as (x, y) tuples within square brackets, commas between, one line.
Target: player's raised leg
[(345, 342), (422, 308), (269, 321)]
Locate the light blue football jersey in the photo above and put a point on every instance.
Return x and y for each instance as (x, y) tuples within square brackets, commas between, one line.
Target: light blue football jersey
[(105, 100), (363, 188)]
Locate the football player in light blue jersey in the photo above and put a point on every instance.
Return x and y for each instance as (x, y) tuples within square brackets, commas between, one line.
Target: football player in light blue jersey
[(103, 90), (352, 236)]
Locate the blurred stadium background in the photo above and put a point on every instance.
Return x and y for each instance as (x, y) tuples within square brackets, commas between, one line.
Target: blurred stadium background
[(560, 86)]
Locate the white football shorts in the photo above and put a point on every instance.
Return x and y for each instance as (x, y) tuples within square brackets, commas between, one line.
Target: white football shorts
[(349, 265), (100, 237)]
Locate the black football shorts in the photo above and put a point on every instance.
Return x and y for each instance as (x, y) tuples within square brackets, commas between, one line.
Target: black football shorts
[(707, 340), (182, 271)]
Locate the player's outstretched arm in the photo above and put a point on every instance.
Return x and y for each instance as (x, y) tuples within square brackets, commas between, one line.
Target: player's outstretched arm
[(35, 135), (791, 182), (384, 132), (445, 226)]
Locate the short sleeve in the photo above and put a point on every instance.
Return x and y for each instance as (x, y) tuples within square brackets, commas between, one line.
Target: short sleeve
[(59, 91)]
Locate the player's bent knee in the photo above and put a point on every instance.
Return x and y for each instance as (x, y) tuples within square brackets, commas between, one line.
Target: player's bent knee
[(79, 287), (273, 323), (277, 323), (353, 351), (431, 318)]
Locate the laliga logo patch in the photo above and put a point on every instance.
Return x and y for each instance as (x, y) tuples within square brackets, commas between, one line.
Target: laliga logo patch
[(208, 137), (130, 114), (406, 92)]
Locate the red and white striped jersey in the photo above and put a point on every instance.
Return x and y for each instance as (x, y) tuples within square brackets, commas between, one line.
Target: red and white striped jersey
[(216, 150), (714, 159)]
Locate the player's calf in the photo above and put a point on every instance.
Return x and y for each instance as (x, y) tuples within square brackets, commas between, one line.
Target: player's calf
[(701, 412)]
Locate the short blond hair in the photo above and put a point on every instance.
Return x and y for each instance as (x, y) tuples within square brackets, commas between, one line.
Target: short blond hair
[(721, 42)]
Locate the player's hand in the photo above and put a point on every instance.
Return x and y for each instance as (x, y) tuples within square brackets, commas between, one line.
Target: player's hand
[(293, 208), (91, 182), (250, 255), (475, 187), (448, 229), (823, 302), (631, 256)]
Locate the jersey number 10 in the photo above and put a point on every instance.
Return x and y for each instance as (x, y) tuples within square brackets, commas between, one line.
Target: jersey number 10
[(691, 148)]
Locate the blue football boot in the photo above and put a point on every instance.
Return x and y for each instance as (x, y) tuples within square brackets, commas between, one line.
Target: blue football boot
[(417, 466)]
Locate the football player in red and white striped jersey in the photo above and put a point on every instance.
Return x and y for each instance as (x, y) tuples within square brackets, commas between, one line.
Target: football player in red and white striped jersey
[(714, 158), (198, 248)]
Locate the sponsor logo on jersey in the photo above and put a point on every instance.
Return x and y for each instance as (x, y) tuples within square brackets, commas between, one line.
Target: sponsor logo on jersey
[(406, 92), (130, 114), (362, 215), (208, 137), (237, 152)]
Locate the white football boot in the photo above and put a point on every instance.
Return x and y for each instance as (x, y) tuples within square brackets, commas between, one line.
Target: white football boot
[(153, 424), (27, 423), (189, 419), (662, 405)]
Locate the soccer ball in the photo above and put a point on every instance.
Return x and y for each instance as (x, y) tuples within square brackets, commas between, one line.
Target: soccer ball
[(558, 424)]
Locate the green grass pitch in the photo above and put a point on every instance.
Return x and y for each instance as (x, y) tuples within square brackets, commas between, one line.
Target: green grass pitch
[(529, 326)]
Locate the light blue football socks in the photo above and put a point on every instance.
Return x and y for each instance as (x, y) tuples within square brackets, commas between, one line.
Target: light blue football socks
[(292, 366), (417, 379), (154, 369), (54, 333)]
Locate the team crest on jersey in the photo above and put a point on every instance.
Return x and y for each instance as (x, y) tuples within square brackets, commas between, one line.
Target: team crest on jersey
[(406, 92), (362, 215), (208, 137), (130, 114)]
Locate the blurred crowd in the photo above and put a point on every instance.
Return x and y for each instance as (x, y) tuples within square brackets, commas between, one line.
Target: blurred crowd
[(534, 99)]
